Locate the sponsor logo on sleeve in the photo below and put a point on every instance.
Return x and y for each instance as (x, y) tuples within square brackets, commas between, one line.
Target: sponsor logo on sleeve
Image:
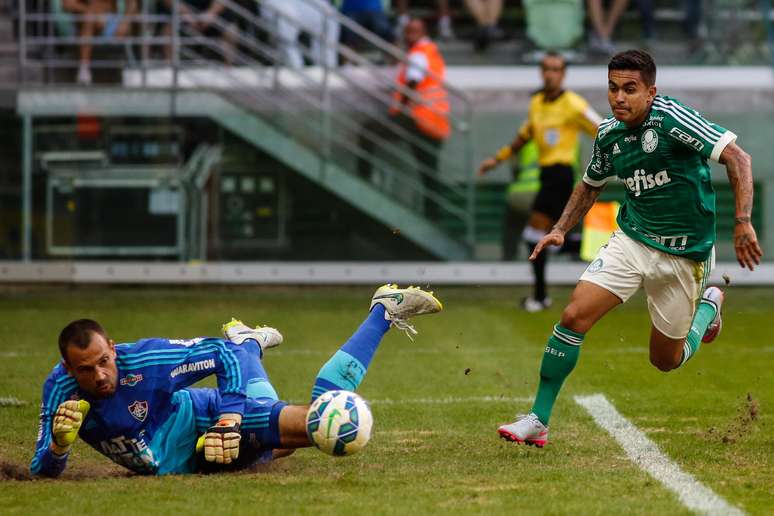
[(686, 138), (193, 367), (131, 380), (139, 410)]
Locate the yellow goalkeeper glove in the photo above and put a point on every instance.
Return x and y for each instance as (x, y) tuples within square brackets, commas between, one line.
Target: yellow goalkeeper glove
[(221, 442), (68, 419)]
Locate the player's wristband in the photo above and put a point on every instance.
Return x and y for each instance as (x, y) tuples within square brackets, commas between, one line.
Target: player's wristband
[(59, 452), (504, 153), (742, 220)]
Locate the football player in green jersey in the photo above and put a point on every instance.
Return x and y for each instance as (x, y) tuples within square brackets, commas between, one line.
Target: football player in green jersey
[(658, 148)]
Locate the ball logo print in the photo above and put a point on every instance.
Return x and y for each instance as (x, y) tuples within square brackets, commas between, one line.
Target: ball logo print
[(339, 423), (649, 141)]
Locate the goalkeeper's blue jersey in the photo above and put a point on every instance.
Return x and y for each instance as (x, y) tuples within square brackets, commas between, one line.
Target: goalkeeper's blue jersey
[(151, 423)]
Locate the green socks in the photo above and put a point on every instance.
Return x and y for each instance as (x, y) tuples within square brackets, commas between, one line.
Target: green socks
[(559, 360), (701, 320)]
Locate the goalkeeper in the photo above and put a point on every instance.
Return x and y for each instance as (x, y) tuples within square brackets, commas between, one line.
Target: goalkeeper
[(133, 402)]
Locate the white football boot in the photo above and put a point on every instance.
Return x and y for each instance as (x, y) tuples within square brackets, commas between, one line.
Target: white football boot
[(525, 430), (401, 304), (237, 332), (715, 296)]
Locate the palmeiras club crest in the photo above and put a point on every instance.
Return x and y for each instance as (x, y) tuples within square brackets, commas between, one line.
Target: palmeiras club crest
[(139, 410)]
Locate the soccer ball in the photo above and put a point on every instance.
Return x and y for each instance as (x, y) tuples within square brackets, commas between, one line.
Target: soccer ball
[(339, 423)]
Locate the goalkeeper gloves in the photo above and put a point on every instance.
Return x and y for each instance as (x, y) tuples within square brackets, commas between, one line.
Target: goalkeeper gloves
[(221, 442), (68, 419)]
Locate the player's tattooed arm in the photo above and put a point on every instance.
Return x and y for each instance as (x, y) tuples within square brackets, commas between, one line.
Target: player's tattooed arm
[(739, 169), (581, 201)]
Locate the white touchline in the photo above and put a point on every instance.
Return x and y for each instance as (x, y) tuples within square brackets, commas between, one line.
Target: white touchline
[(448, 401), (644, 452)]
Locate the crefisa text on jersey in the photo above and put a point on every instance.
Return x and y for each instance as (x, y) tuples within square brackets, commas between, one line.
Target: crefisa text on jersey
[(644, 181)]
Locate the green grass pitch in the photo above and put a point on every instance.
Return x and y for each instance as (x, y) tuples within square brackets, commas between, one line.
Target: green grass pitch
[(431, 451)]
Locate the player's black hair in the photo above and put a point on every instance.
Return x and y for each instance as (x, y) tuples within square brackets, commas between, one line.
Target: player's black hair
[(635, 60), (554, 53), (78, 333)]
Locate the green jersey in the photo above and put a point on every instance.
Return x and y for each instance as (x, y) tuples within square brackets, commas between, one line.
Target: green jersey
[(670, 202)]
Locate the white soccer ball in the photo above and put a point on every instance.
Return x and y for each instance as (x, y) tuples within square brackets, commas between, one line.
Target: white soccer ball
[(339, 423)]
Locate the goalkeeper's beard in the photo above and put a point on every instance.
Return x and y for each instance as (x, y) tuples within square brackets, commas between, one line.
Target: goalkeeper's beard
[(104, 389)]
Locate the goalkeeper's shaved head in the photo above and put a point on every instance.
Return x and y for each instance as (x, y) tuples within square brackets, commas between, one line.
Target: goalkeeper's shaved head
[(90, 357), (79, 333)]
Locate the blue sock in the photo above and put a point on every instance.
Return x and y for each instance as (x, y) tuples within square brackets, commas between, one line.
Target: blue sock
[(347, 367)]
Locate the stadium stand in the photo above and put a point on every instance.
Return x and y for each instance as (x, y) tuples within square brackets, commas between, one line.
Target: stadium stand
[(285, 185)]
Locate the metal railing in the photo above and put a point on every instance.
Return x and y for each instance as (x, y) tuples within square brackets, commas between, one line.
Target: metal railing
[(322, 107)]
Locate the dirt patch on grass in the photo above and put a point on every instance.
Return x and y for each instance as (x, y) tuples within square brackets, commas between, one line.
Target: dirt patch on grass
[(745, 421), (13, 471)]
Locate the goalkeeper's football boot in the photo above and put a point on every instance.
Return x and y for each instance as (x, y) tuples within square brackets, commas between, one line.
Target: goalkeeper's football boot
[(714, 296), (237, 332), (401, 304), (525, 430)]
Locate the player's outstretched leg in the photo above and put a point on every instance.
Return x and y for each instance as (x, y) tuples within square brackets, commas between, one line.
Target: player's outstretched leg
[(390, 306), (589, 303), (559, 359), (237, 332), (706, 324)]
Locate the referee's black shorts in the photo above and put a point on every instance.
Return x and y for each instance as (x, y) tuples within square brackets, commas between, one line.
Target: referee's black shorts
[(556, 184)]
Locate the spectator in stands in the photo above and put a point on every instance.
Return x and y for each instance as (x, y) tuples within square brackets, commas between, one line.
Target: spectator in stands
[(603, 24), (317, 18), (445, 31), (420, 111), (207, 17), (693, 12), (370, 14), (109, 18), (487, 14)]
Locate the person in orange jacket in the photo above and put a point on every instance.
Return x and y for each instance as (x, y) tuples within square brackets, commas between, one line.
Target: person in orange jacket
[(419, 113)]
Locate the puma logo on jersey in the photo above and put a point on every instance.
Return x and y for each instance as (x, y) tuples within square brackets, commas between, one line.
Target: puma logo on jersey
[(642, 181)]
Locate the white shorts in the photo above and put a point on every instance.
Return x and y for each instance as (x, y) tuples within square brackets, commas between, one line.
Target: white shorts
[(672, 283)]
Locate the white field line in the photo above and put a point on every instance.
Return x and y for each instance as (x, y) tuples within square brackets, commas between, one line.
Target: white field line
[(11, 401), (449, 401), (645, 454), (404, 351)]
